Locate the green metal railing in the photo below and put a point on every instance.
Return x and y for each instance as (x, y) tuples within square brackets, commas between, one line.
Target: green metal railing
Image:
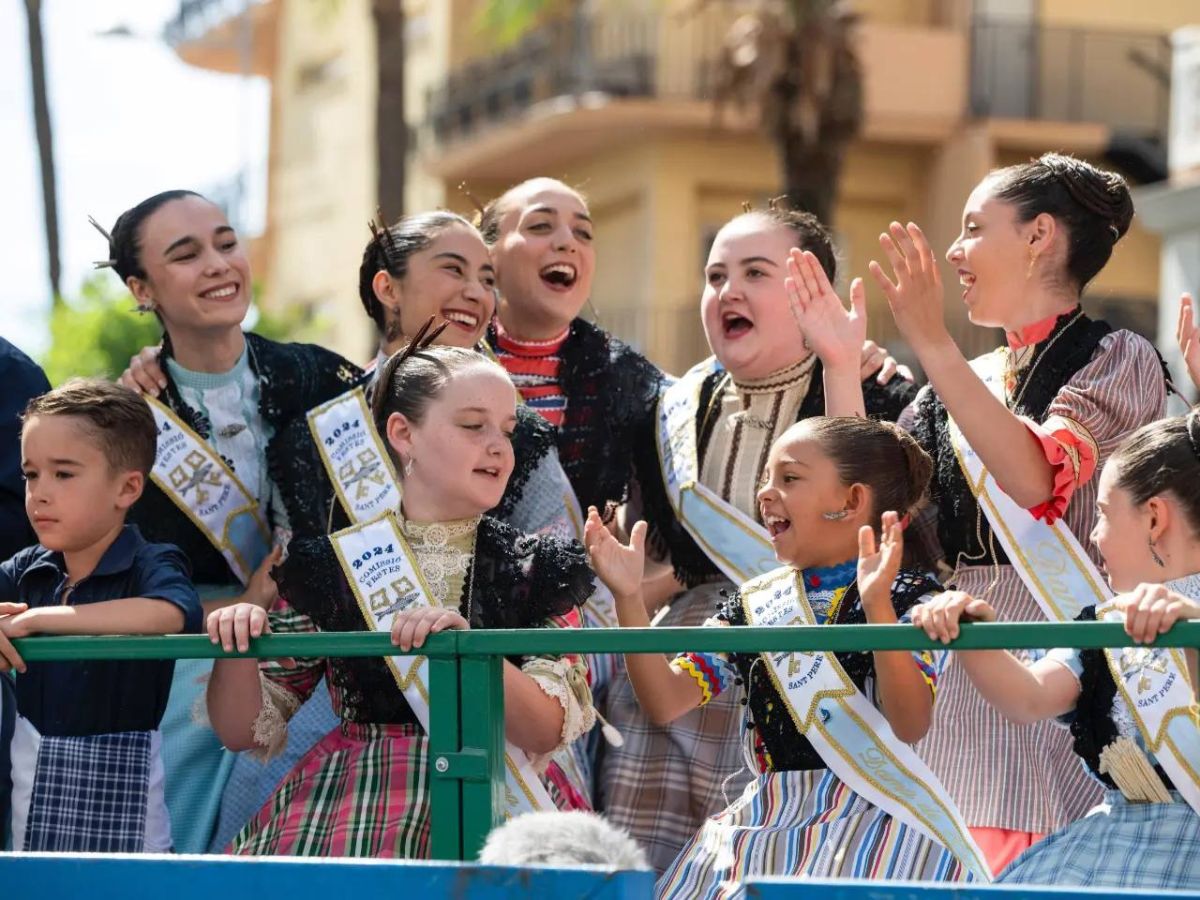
[(466, 733)]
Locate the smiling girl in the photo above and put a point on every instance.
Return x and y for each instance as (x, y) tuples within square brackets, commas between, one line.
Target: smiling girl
[(447, 415), (227, 399), (708, 454), (1016, 437), (1116, 701), (808, 810)]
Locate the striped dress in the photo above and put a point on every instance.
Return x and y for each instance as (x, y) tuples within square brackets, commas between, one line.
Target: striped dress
[(796, 818), (1025, 778)]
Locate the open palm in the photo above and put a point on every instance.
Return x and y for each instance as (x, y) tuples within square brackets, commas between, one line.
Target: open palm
[(879, 562), (620, 566), (834, 333)]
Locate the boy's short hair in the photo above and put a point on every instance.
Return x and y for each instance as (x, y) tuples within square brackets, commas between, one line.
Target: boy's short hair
[(120, 420)]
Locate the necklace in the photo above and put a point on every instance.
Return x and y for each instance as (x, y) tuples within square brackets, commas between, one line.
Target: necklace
[(1036, 362)]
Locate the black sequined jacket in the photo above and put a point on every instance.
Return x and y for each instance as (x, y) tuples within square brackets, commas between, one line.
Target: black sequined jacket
[(668, 537), (293, 378), (518, 581), (532, 439), (957, 510), (1093, 724), (787, 748), (612, 393)]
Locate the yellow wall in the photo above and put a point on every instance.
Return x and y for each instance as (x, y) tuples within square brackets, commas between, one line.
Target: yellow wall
[(1126, 15)]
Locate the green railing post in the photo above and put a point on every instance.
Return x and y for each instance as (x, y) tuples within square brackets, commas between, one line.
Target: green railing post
[(445, 788), (482, 694)]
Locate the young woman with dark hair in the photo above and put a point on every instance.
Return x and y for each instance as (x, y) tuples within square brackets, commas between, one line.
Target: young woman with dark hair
[(1016, 437)]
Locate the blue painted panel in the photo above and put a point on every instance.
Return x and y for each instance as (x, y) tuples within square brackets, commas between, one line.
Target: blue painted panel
[(785, 889), (119, 877)]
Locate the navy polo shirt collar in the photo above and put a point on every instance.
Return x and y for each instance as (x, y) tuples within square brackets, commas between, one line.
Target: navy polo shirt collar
[(116, 559)]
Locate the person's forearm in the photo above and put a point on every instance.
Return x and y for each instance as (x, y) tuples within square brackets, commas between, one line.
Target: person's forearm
[(1004, 443), (663, 692), (1016, 691), (904, 697), (843, 393), (234, 701), (533, 720), (130, 615)]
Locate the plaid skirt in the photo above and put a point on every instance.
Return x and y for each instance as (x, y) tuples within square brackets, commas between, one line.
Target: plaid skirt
[(363, 790), (1118, 845), (666, 780), (802, 824)]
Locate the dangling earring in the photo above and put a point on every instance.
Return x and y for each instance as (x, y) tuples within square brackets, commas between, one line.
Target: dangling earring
[(408, 466), (146, 307), (1158, 559), (1032, 262), (835, 516)]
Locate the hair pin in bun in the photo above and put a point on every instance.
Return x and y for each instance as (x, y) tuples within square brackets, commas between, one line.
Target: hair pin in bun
[(1115, 232), (103, 263)]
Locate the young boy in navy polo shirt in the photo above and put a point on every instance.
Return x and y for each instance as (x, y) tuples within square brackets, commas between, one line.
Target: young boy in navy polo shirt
[(86, 766)]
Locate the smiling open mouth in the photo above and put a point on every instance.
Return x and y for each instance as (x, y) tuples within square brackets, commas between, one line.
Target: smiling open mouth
[(560, 276), (735, 325), (224, 292), (776, 525), (489, 471), (466, 320)]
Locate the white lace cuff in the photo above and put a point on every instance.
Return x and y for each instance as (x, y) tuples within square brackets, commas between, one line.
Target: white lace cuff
[(270, 726), (566, 681)]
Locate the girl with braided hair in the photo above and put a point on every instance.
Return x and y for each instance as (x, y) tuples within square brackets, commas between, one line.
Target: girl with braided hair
[(1016, 437), (435, 560), (1131, 711)]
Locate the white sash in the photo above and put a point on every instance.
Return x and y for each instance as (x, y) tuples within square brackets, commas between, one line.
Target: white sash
[(1157, 691), (193, 475), (1054, 567), (739, 546), (355, 458), (380, 568), (853, 738)]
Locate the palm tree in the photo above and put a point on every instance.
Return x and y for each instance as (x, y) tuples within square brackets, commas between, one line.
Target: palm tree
[(391, 129), (792, 60), (45, 142)]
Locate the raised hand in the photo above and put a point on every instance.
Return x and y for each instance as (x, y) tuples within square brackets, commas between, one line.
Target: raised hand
[(411, 626), (1187, 336), (914, 292), (939, 618), (879, 563), (1151, 610), (877, 361), (831, 331), (620, 566), (145, 374)]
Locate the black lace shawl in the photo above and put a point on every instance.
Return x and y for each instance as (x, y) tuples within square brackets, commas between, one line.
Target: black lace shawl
[(956, 506), (293, 378), (788, 748), (667, 534), (1092, 724), (519, 581), (533, 437), (612, 393)]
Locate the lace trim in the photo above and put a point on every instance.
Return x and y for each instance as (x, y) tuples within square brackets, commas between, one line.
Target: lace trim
[(444, 551), (270, 727), (566, 681), (778, 381)]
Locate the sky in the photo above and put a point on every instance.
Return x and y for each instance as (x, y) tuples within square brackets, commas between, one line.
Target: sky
[(130, 119)]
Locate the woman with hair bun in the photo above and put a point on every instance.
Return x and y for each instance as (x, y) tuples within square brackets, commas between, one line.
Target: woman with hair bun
[(1016, 436), (1131, 710)]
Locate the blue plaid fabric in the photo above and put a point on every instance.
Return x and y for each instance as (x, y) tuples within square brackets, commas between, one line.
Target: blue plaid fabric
[(1122, 845), (90, 794)]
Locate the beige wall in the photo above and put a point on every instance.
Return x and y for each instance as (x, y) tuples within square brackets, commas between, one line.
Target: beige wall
[(1126, 15)]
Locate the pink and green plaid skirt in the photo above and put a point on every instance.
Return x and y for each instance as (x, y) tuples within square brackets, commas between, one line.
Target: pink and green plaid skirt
[(363, 790)]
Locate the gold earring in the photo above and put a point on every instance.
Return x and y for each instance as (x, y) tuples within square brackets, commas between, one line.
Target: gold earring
[(1032, 262)]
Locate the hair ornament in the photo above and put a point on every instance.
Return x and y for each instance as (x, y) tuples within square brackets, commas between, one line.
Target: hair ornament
[(102, 263), (1115, 232), (480, 207), (383, 234)]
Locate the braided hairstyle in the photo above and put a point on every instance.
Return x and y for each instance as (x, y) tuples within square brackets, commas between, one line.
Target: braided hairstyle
[(1160, 457), (390, 249), (881, 455), (1094, 206), (125, 239)]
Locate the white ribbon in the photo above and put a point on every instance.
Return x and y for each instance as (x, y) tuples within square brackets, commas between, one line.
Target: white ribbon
[(382, 571), (852, 737)]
